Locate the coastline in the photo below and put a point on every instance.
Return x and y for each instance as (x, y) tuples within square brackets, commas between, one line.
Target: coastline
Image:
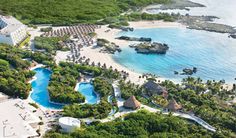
[(96, 56)]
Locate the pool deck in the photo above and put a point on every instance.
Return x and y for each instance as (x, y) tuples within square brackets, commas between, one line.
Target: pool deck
[(16, 118)]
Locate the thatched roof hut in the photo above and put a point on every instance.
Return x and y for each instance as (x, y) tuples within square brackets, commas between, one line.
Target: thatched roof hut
[(153, 88), (132, 103), (173, 106)]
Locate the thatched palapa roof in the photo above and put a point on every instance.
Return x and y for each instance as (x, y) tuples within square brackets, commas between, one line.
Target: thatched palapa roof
[(173, 105), (154, 88), (132, 103)]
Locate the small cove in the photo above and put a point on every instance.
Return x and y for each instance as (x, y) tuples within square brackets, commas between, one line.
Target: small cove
[(212, 53)]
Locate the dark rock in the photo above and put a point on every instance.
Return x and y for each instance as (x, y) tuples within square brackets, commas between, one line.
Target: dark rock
[(151, 48), (126, 29), (194, 70), (176, 72), (233, 36), (141, 39), (205, 23), (188, 71)]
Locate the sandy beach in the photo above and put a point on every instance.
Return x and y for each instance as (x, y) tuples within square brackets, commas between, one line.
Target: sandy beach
[(96, 56), (155, 24)]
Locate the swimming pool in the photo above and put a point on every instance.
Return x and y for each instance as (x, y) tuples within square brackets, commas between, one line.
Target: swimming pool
[(39, 89), (87, 90)]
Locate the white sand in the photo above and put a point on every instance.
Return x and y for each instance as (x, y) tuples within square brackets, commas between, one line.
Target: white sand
[(16, 126), (96, 56), (111, 35), (1, 95), (155, 24), (61, 56)]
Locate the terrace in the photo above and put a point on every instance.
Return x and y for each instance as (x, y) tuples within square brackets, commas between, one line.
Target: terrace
[(17, 119)]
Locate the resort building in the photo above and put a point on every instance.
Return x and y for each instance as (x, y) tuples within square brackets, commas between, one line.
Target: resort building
[(68, 124), (173, 106), (12, 31), (152, 88), (132, 103)]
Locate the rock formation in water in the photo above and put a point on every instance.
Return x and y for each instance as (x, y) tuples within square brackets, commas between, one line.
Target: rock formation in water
[(187, 71), (127, 29), (151, 48), (233, 36), (141, 39)]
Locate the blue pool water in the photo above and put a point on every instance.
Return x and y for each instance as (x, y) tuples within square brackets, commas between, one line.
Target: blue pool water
[(213, 54), (39, 86), (87, 90)]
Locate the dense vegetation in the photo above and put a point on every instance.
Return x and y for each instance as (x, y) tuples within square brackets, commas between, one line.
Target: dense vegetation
[(97, 111), (206, 100), (142, 125), (103, 87), (50, 44), (69, 11), (13, 82), (101, 110), (119, 21), (128, 89), (13, 70), (62, 83), (144, 16), (65, 76)]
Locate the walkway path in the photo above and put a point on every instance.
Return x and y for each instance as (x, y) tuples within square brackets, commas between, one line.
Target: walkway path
[(120, 102), (123, 111), (183, 115)]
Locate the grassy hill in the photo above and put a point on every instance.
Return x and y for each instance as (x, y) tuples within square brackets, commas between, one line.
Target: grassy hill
[(68, 11)]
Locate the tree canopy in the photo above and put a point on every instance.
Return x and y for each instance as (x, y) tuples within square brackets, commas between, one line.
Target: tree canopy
[(142, 125), (64, 12)]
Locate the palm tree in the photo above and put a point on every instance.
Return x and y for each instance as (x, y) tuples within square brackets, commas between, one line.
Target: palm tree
[(234, 87), (93, 64), (104, 66), (99, 64)]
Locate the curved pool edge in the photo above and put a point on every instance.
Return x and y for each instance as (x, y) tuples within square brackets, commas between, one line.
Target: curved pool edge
[(30, 99), (86, 102)]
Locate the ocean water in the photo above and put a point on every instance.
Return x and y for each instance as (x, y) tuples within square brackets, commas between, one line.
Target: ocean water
[(213, 54), (87, 90), (40, 92), (224, 9)]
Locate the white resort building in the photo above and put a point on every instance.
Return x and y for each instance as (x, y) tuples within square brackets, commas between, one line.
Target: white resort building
[(68, 124), (12, 31)]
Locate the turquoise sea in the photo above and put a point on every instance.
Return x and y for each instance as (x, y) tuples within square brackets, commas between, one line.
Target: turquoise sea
[(213, 54)]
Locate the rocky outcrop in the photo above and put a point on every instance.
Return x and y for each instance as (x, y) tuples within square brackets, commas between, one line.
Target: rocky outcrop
[(127, 29), (233, 36), (205, 23), (187, 71), (107, 46), (151, 48), (141, 39)]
